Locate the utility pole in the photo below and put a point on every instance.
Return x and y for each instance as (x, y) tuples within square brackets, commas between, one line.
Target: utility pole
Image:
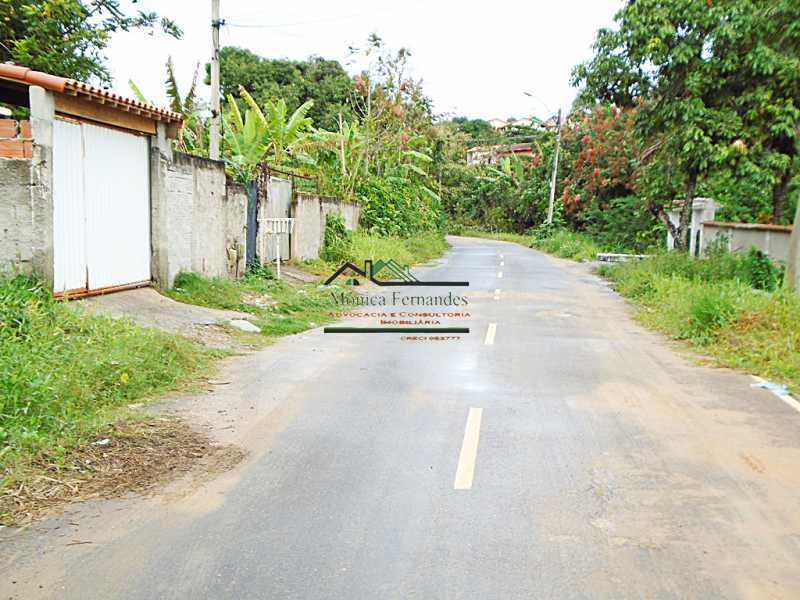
[(213, 142), (555, 170)]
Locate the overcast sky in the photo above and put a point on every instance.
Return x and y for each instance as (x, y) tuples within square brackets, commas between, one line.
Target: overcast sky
[(475, 58)]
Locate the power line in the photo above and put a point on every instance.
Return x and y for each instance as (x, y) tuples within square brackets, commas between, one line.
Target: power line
[(301, 23)]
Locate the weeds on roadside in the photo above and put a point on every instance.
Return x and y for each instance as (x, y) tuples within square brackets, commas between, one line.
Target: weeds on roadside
[(277, 307), (64, 373), (365, 246), (730, 305)]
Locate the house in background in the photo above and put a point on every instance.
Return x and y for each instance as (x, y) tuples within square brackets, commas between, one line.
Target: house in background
[(490, 155)]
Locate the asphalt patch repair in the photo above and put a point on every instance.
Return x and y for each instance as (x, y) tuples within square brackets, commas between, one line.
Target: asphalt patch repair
[(125, 458)]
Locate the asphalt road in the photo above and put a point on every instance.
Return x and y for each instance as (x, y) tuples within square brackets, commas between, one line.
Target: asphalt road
[(556, 451)]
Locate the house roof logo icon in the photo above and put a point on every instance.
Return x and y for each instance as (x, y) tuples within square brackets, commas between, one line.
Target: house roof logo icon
[(401, 274)]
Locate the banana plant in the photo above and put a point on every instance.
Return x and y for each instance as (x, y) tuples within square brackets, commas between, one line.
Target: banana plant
[(343, 151), (245, 141), (285, 134), (267, 133)]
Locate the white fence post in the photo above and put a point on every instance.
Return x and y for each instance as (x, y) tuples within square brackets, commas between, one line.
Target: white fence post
[(278, 227)]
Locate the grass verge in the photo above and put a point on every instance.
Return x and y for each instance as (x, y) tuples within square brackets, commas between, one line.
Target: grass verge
[(562, 243), (278, 308), (712, 304), (64, 375)]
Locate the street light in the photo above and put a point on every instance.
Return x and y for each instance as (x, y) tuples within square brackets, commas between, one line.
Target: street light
[(539, 100)]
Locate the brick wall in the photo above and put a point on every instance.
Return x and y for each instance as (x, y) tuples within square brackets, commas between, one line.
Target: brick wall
[(15, 139)]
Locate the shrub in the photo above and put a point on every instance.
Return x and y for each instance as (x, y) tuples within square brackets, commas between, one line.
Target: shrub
[(624, 224), (338, 241), (258, 270), (761, 272), (753, 268), (395, 206), (710, 308)]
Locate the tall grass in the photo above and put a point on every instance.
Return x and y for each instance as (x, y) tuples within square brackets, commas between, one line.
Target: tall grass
[(568, 244), (406, 251), (717, 305), (62, 372)]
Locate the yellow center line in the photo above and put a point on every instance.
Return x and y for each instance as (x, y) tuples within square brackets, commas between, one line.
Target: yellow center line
[(465, 471)]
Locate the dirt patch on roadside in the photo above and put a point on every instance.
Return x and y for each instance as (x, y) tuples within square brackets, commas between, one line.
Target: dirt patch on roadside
[(129, 458)]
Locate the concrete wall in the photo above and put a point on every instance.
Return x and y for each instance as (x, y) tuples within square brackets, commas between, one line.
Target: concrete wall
[(26, 202), (310, 212), (198, 217), (703, 209), (771, 239)]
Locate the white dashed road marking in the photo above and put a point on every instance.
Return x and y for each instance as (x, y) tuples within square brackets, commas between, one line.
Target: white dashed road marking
[(469, 450), (490, 334)]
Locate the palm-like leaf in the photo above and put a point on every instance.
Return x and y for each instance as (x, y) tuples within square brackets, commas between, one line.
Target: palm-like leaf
[(175, 102), (191, 95), (137, 92)]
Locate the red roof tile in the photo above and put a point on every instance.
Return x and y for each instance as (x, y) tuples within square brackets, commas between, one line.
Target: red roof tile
[(73, 87)]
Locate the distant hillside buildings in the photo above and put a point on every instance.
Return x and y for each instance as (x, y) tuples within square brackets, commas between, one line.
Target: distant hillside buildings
[(490, 155)]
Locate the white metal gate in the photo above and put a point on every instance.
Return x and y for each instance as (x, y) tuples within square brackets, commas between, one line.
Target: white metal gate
[(101, 208)]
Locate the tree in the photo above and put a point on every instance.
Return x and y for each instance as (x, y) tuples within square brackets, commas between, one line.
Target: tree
[(717, 87), (68, 37), (323, 81), (663, 59), (396, 114), (758, 46), (606, 159), (478, 131)]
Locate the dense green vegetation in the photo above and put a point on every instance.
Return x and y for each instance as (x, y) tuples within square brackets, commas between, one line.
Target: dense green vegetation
[(378, 149), (322, 81), (728, 306), (681, 99), (68, 37), (714, 92), (64, 373), (361, 245)]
